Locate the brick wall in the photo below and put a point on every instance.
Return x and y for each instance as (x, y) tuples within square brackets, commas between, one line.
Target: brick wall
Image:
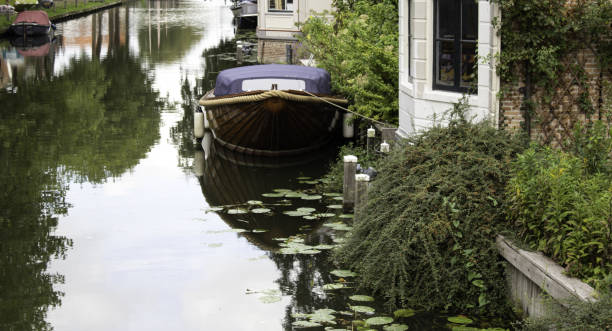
[(553, 118), (275, 51)]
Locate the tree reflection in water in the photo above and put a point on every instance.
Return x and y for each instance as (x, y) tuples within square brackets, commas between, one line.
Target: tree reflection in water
[(93, 121)]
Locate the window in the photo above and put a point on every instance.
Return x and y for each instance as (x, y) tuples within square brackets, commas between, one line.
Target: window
[(281, 5), (455, 31)]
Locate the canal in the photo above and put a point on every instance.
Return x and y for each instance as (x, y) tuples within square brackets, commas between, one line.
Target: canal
[(112, 218)]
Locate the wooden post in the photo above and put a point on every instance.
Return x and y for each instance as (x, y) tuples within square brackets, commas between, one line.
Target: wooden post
[(348, 188), (361, 195), (388, 134)]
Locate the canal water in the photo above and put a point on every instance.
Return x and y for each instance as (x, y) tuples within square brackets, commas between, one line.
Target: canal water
[(113, 218)]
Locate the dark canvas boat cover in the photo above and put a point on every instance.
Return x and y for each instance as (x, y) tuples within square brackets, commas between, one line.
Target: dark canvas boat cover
[(230, 81), (33, 16)]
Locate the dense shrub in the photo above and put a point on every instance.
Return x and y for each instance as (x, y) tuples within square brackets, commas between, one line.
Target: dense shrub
[(561, 205), (427, 239)]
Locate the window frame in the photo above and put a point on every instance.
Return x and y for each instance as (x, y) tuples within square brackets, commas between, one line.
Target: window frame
[(458, 42), (274, 10)]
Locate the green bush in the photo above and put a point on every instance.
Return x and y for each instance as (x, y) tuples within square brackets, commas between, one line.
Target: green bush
[(360, 51), (427, 239), (561, 205)]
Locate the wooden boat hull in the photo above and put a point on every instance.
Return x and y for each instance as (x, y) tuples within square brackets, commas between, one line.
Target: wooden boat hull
[(30, 29), (274, 126)]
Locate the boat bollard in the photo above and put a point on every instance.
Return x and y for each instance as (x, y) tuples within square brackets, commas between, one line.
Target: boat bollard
[(198, 123), (361, 195), (348, 129), (348, 185)]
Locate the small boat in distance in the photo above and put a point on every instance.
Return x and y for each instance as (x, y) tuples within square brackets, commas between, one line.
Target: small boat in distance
[(31, 23), (272, 109)]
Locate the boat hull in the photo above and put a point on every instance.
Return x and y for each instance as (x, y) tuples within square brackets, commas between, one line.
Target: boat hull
[(274, 126), (30, 29)]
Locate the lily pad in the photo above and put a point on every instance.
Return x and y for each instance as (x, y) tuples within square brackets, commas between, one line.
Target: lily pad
[(343, 273), (333, 286), (323, 246), (339, 226), (273, 195), (325, 215), (306, 209), (334, 206), (260, 230), (294, 195), (312, 197), (339, 198), (403, 313), (332, 194), (347, 216), (379, 320), (362, 298), (362, 309), (305, 324), (460, 320), (311, 182), (303, 178), (260, 210), (270, 298), (254, 202), (309, 217), (213, 209), (295, 213), (395, 327), (236, 211)]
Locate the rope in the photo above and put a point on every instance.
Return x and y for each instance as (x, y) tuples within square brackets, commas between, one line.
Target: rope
[(270, 94)]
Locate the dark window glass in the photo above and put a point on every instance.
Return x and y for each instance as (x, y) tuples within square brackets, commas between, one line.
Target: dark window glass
[(455, 44), (280, 4)]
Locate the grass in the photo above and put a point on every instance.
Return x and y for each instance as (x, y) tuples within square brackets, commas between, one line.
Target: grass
[(62, 7)]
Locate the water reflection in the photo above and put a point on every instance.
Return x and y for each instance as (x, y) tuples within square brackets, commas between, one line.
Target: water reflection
[(92, 119)]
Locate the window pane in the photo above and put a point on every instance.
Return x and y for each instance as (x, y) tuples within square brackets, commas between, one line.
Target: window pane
[(277, 4), (446, 70), (448, 18), (289, 5), (469, 17), (468, 61)]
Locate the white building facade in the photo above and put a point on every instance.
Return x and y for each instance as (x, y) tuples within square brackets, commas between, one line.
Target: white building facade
[(446, 50)]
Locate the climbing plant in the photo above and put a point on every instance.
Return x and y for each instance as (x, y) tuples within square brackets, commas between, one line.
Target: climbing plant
[(562, 50)]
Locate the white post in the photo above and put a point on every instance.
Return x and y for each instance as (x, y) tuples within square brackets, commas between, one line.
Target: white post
[(198, 123), (348, 188)]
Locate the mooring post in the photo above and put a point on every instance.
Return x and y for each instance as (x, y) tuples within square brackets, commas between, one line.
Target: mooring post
[(348, 187), (361, 194), (239, 52), (198, 123)]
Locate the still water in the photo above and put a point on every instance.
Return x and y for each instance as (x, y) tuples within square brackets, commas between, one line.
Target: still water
[(105, 220)]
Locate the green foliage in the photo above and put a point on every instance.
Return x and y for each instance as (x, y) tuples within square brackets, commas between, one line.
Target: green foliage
[(332, 181), (427, 239), (360, 51), (561, 205), (545, 32), (576, 315)]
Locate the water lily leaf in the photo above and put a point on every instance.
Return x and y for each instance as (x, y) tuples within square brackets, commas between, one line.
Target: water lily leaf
[(300, 315), (332, 194), (270, 298), (338, 198), (323, 316), (338, 240), (280, 239), (260, 210), (295, 213), (403, 313), (309, 251), (395, 327), (333, 286), (379, 320), (322, 246), (362, 298), (334, 206), (282, 190), (460, 319), (303, 178), (306, 209), (347, 216), (312, 197), (362, 309), (260, 230), (295, 195), (213, 209), (343, 273), (273, 195), (325, 215), (309, 217), (215, 245), (305, 324), (338, 226), (236, 211), (311, 182), (254, 202)]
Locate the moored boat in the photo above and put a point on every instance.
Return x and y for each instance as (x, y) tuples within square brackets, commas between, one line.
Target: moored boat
[(31, 23), (272, 109)]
